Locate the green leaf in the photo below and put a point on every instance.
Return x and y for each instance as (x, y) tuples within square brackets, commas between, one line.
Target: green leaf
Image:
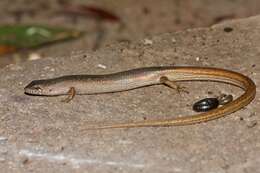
[(30, 36)]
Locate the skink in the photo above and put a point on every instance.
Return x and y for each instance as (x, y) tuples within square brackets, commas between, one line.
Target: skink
[(126, 80)]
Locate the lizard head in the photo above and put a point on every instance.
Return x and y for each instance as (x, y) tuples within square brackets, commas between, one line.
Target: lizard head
[(46, 87)]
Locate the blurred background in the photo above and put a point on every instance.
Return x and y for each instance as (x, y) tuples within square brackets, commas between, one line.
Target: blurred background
[(31, 29)]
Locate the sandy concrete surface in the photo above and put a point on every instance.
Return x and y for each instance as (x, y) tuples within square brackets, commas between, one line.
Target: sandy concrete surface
[(42, 134)]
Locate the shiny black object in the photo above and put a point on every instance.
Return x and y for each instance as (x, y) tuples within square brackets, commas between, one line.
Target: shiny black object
[(206, 104)]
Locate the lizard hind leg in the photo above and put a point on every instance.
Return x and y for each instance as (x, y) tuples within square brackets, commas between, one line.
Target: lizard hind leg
[(165, 80)]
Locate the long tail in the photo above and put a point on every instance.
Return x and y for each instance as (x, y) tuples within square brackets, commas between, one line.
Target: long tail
[(198, 73)]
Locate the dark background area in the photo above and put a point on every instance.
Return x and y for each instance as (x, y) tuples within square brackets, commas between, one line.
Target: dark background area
[(140, 18)]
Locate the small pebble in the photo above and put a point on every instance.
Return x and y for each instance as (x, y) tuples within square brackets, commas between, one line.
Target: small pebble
[(148, 42), (34, 56), (102, 66), (173, 40)]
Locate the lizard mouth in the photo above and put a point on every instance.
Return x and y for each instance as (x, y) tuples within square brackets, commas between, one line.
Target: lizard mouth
[(30, 91), (34, 88)]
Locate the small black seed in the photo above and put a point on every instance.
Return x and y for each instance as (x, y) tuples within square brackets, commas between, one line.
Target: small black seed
[(228, 29), (206, 104)]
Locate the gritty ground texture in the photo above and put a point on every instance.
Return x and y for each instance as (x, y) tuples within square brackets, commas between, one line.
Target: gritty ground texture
[(42, 134)]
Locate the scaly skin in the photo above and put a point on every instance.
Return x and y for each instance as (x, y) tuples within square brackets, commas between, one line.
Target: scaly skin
[(126, 80)]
